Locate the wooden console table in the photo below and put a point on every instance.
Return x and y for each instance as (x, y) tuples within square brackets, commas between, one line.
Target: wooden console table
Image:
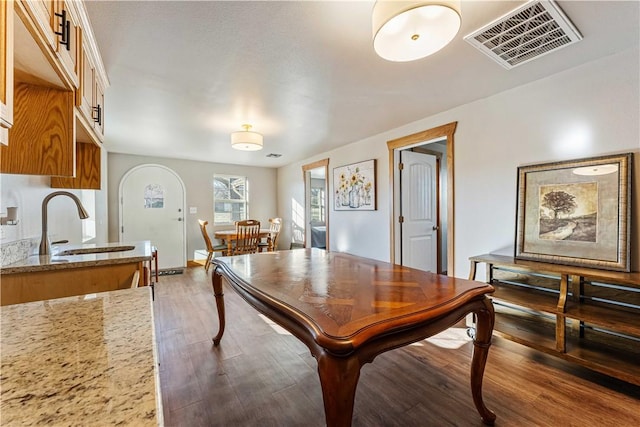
[(583, 315), (348, 309)]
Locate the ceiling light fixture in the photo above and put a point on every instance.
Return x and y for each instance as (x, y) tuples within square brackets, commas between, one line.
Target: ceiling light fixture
[(245, 140), (596, 170), (409, 30)]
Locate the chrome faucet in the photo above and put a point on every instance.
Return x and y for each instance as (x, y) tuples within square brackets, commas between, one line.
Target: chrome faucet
[(45, 246)]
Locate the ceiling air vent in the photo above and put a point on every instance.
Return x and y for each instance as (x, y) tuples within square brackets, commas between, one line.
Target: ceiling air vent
[(528, 32)]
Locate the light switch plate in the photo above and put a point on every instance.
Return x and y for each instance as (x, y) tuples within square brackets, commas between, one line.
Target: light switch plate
[(193, 210)]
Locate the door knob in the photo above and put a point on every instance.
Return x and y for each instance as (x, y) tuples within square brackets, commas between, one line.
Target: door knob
[(435, 227), (179, 219)]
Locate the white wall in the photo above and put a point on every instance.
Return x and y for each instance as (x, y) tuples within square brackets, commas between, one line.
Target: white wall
[(27, 192), (591, 110), (198, 180)]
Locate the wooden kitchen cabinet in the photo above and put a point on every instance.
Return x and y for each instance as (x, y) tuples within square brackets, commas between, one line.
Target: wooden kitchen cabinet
[(86, 89), (44, 285), (42, 140), (68, 47), (98, 109), (90, 95), (6, 70), (57, 125), (58, 24), (88, 168), (43, 14)]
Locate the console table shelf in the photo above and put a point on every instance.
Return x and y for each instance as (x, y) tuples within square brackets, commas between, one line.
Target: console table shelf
[(524, 297), (583, 315), (622, 321)]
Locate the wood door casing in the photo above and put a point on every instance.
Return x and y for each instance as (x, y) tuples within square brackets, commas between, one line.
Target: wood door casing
[(306, 168), (447, 131)]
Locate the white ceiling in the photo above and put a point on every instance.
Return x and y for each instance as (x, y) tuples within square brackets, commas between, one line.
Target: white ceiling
[(184, 75)]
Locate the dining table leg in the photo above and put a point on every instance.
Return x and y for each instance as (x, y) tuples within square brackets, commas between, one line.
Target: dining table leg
[(339, 379), (481, 343), (216, 279)]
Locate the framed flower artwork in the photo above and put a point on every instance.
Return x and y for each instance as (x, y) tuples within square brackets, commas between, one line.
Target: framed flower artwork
[(354, 187)]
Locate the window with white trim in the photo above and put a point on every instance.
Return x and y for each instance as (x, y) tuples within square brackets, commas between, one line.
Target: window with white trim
[(230, 199)]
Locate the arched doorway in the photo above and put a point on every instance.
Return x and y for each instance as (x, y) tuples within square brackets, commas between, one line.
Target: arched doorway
[(152, 203)]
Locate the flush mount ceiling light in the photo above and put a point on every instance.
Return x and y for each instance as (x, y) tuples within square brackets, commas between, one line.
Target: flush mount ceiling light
[(245, 140), (410, 30)]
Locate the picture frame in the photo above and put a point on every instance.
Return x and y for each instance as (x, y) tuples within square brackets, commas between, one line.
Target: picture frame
[(576, 212), (354, 187)]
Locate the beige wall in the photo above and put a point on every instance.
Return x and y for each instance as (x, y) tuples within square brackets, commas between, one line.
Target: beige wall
[(198, 180), (588, 111)]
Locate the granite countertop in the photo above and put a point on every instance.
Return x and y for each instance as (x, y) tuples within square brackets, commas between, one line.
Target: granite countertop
[(85, 360), (141, 252)]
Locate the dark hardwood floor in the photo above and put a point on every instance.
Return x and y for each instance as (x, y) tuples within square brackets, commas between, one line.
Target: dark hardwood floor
[(261, 376)]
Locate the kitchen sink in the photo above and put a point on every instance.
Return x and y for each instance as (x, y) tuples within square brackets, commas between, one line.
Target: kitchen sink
[(85, 251)]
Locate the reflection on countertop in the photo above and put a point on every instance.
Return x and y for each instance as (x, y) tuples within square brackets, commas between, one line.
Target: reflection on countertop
[(85, 360), (141, 252)]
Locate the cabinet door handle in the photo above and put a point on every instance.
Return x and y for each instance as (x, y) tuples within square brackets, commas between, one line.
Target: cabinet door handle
[(67, 41), (97, 117), (65, 29), (63, 20)]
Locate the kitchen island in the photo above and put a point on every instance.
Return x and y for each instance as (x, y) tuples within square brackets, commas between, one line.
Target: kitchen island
[(75, 270), (83, 360)]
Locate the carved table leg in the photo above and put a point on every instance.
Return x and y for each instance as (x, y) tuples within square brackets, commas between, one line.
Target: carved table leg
[(481, 343), (339, 379), (216, 279)]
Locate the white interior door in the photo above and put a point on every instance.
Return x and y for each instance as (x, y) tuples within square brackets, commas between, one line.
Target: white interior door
[(152, 203), (419, 208)]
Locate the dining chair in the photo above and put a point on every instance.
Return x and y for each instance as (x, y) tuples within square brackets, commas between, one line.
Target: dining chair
[(271, 243), (247, 237), (211, 249)]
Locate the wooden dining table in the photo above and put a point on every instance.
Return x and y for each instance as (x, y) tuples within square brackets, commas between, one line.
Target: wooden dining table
[(348, 309), (228, 236)]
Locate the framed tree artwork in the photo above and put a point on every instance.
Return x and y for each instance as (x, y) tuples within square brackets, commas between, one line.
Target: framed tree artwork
[(576, 212)]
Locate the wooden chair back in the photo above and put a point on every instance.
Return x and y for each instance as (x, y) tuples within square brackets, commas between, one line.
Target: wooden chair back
[(275, 224), (207, 241), (205, 235), (211, 249), (247, 237)]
